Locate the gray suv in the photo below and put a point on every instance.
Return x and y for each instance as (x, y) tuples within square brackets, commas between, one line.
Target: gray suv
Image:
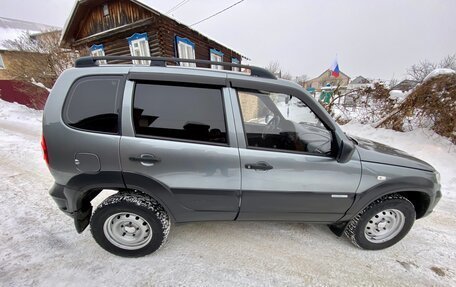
[(189, 144)]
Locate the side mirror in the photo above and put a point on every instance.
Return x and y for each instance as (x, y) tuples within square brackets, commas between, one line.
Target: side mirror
[(346, 150), (288, 99)]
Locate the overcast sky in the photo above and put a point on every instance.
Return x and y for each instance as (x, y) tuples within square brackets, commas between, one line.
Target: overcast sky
[(376, 39)]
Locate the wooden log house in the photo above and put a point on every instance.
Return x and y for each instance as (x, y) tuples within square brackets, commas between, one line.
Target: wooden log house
[(130, 27)]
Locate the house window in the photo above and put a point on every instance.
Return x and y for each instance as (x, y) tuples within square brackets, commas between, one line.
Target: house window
[(105, 10), (216, 56), (185, 50), (97, 51), (235, 61), (139, 46), (2, 64)]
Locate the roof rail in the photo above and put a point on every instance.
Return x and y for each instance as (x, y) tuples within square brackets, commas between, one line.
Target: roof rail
[(91, 61)]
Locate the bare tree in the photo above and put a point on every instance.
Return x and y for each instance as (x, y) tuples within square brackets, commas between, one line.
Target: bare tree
[(40, 60), (286, 76), (301, 80), (448, 62), (393, 82), (419, 71), (274, 67)]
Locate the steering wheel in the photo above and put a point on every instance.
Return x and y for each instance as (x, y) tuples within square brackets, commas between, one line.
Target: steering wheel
[(271, 127)]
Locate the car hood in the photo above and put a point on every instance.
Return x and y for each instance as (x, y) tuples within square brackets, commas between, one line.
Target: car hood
[(379, 153)]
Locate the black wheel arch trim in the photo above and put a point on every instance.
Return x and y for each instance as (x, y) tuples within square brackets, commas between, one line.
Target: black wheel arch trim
[(403, 186)]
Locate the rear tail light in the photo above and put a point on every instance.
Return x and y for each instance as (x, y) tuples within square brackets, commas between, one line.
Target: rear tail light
[(45, 151)]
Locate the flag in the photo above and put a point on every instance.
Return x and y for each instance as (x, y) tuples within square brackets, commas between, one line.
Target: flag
[(335, 69)]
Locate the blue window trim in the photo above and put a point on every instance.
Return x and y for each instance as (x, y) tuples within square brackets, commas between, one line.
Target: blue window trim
[(137, 36), (235, 60), (96, 47), (185, 41), (216, 52)]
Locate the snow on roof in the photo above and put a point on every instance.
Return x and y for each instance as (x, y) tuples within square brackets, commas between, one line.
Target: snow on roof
[(11, 29), (438, 72)]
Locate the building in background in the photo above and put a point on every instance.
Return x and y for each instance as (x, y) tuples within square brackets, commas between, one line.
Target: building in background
[(12, 90), (405, 85), (327, 80), (130, 27), (359, 83)]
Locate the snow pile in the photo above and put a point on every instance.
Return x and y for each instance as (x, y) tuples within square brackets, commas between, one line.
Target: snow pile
[(399, 96), (439, 72)]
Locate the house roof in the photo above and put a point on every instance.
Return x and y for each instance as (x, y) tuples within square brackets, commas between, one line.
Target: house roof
[(405, 85), (77, 11), (11, 29), (326, 72), (360, 80)]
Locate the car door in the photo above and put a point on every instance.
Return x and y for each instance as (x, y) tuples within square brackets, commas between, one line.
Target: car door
[(289, 171), (179, 145)]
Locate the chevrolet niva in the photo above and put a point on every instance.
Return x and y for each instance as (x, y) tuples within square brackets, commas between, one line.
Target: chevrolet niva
[(190, 144)]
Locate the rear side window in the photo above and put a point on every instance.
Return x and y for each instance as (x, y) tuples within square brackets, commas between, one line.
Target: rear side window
[(179, 112), (93, 104)]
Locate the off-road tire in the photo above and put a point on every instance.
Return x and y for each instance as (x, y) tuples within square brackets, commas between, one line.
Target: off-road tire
[(355, 229), (137, 203)]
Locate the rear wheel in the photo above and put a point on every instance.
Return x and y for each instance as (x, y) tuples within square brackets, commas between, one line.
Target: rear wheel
[(130, 224), (382, 224)]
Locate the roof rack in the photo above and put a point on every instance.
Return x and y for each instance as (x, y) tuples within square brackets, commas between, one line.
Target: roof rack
[(90, 61)]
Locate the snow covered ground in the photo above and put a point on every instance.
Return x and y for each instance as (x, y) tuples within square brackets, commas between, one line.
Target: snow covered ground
[(39, 246)]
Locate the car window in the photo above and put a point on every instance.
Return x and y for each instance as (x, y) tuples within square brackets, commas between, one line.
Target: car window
[(287, 125), (180, 112), (92, 104)]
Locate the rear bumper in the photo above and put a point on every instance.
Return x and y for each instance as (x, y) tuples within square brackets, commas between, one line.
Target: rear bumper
[(58, 195)]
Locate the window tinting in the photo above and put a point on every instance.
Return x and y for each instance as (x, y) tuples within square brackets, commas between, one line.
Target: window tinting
[(187, 113), (92, 104)]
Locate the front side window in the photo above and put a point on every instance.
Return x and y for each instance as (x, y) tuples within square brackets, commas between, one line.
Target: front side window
[(179, 112), (185, 50), (216, 56), (283, 123), (139, 46), (92, 104)]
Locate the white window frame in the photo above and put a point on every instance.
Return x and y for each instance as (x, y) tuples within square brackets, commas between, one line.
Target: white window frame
[(185, 50), (235, 61), (2, 63), (216, 56), (139, 46), (98, 51)]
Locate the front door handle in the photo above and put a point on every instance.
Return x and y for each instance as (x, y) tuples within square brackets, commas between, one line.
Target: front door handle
[(146, 159), (261, 165)]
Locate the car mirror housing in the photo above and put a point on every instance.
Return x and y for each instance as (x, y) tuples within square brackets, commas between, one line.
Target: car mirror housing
[(346, 150)]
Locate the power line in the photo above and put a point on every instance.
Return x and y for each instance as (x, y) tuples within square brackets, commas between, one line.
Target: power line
[(180, 4), (213, 15)]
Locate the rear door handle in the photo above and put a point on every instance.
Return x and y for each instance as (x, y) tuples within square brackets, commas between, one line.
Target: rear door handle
[(261, 165), (146, 159)]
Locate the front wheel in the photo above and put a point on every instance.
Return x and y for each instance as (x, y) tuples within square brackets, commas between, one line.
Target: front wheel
[(130, 224), (383, 223)]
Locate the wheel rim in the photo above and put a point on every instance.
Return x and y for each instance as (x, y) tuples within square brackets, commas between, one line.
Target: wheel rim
[(384, 226), (127, 230)]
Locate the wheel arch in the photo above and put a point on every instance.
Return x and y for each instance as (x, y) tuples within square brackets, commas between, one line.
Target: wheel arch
[(417, 190)]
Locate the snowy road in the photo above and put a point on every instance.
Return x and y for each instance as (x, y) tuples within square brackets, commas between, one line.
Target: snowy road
[(39, 246)]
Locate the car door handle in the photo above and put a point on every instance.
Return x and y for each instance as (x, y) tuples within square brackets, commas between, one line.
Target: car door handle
[(146, 159), (261, 165)]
